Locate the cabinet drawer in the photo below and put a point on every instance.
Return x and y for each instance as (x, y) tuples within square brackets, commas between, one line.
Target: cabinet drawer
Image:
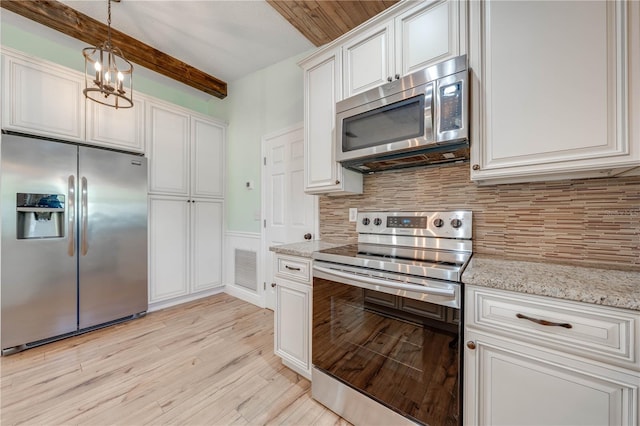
[(596, 332), (294, 267)]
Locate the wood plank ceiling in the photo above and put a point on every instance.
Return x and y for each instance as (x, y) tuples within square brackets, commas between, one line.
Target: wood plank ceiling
[(322, 21)]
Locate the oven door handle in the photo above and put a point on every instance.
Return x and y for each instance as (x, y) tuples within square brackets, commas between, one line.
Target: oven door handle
[(384, 283)]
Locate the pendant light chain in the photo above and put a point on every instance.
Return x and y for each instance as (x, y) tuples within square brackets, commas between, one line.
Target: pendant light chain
[(108, 74)]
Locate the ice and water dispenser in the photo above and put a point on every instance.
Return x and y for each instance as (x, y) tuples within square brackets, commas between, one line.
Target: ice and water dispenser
[(40, 215)]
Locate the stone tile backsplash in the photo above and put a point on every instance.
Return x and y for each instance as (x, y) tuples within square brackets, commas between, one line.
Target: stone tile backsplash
[(589, 222)]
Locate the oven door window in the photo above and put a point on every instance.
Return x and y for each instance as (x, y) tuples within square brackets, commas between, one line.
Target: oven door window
[(390, 123), (400, 352)]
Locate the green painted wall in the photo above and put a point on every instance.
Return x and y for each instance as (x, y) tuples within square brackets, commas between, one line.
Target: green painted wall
[(261, 103)]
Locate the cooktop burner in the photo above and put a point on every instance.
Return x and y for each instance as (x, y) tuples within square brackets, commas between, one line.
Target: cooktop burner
[(426, 244)]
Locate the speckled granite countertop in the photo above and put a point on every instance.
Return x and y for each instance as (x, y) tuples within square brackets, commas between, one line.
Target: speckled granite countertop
[(620, 289), (304, 248)]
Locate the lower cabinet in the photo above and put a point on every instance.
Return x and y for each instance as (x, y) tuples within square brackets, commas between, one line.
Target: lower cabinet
[(292, 337), (185, 247), (512, 380)]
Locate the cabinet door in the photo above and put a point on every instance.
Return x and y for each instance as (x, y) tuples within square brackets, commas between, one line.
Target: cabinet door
[(368, 60), (506, 384), (427, 34), (168, 136), (292, 328), (207, 158), (323, 86), (168, 248), (121, 128), (557, 104), (42, 99), (206, 244)]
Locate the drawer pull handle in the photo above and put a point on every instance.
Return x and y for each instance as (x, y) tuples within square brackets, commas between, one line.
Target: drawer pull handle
[(545, 322), (291, 268)]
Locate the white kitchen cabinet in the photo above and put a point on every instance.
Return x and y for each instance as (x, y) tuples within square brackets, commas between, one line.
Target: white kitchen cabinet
[(322, 89), (186, 152), (581, 368), (168, 136), (421, 36), (185, 246), (186, 171), (206, 244), (121, 128), (41, 98), (207, 158), (168, 248), (292, 328), (368, 60), (559, 104)]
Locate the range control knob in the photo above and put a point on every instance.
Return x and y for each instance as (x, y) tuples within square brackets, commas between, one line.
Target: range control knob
[(456, 223), (366, 221), (438, 223), (377, 221)]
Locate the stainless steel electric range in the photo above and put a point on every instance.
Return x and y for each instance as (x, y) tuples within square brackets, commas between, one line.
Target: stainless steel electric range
[(387, 324)]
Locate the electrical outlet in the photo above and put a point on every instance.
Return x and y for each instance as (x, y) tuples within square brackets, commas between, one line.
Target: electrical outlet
[(353, 214)]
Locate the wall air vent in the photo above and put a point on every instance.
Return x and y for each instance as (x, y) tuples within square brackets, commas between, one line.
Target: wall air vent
[(246, 269)]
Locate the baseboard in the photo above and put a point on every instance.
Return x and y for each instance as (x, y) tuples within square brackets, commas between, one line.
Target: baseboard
[(156, 306)]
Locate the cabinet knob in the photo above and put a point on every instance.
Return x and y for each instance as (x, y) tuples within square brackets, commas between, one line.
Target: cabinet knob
[(397, 76), (337, 182), (476, 167), (273, 285), (471, 345), (389, 79), (308, 236)]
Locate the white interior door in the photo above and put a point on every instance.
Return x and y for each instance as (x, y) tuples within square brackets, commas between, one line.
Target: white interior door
[(289, 213)]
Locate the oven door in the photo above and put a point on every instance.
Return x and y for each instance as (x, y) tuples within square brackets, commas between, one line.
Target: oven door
[(390, 345)]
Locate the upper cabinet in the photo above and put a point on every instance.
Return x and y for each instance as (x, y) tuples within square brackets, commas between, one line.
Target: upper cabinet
[(120, 128), (556, 89), (168, 137), (207, 158), (429, 33), (322, 89), (421, 36), (186, 152), (368, 60), (41, 99), (46, 99)]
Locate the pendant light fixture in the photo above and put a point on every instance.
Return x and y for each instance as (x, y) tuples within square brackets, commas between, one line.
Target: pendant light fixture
[(108, 76)]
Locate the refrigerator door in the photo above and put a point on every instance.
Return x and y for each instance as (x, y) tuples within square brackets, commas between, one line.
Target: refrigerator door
[(112, 241), (38, 278)]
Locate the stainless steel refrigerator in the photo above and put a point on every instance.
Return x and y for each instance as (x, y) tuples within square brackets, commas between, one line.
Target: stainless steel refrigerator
[(74, 239)]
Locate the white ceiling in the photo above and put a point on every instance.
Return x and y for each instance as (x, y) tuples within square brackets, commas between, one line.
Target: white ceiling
[(227, 39)]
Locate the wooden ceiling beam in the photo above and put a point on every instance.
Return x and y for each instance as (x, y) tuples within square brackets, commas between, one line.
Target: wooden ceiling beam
[(66, 20)]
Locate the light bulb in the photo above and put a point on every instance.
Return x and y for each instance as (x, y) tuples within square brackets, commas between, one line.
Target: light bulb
[(98, 67), (120, 76)]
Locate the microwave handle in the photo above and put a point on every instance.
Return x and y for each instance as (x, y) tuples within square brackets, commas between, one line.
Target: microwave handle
[(429, 113)]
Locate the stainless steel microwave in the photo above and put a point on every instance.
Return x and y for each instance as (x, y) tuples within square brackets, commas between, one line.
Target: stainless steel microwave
[(420, 119)]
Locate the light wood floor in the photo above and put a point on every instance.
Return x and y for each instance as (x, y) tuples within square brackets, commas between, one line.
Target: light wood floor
[(208, 362)]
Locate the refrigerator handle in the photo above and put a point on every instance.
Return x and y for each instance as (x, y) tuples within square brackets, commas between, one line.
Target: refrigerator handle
[(71, 215), (84, 217)]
